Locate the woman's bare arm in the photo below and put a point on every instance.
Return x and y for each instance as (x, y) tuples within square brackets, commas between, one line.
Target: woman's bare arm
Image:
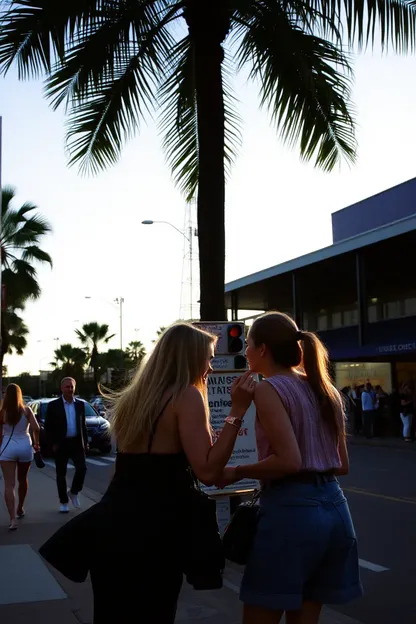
[(206, 458)]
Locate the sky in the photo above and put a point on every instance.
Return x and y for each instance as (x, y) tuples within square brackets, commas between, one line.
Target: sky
[(277, 207)]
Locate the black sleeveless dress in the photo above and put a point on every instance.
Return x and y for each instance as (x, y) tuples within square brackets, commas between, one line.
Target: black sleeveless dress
[(151, 526), (137, 574)]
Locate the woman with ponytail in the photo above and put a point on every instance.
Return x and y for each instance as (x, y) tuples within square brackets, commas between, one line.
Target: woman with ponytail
[(305, 550)]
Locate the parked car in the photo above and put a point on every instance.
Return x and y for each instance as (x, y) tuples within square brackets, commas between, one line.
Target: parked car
[(98, 428), (99, 406)]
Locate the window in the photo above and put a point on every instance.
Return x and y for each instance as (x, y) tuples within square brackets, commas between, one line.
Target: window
[(336, 320), (410, 307)]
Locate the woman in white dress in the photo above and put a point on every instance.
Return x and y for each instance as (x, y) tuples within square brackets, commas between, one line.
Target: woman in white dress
[(16, 451)]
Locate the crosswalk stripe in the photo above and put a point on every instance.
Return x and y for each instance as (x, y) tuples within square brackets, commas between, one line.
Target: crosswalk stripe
[(103, 461), (96, 462), (374, 567)]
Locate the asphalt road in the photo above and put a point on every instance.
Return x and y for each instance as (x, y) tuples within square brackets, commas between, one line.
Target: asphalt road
[(381, 489)]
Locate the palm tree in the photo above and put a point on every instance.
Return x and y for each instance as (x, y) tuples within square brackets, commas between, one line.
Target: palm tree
[(92, 335), (21, 233), (135, 351), (16, 333), (159, 333), (110, 62), (70, 358)]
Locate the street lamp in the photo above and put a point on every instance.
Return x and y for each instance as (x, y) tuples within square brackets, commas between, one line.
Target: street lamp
[(187, 238)]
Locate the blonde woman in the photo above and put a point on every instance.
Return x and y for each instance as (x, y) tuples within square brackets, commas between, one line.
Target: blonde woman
[(143, 526), (16, 453)]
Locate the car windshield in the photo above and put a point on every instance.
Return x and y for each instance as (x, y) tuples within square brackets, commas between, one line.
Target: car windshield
[(89, 410)]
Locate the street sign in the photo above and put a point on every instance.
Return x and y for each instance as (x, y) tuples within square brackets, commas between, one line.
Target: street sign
[(245, 449)]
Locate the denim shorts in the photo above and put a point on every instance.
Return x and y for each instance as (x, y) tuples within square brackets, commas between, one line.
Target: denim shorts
[(305, 549)]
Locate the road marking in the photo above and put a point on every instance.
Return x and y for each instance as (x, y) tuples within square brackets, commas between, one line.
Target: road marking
[(231, 586), (374, 567), (396, 499), (51, 463), (96, 462)]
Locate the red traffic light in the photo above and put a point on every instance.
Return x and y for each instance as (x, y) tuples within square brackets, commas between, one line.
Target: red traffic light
[(235, 331), (235, 343)]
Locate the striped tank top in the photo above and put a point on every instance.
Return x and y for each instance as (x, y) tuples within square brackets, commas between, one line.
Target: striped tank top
[(318, 448)]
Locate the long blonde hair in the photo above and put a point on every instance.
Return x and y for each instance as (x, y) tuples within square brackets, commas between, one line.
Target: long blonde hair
[(282, 337), (12, 405), (177, 361)]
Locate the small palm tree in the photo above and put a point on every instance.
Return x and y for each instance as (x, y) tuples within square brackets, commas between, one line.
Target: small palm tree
[(135, 351), (92, 335), (21, 233), (159, 333), (108, 62), (68, 356)]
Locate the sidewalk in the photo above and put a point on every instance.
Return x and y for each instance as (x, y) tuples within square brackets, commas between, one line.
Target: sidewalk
[(31, 591)]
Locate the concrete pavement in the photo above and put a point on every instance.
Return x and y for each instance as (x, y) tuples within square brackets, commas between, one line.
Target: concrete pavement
[(31, 591)]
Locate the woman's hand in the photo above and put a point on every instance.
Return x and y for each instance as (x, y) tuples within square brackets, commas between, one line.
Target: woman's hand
[(242, 392), (36, 448), (228, 477)]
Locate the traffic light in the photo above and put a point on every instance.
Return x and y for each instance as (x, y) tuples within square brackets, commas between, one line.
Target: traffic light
[(235, 338)]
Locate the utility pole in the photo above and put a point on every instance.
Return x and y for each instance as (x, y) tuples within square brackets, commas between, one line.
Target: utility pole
[(120, 301)]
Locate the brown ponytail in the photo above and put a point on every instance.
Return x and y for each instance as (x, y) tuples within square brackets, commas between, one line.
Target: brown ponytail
[(316, 367), (279, 333)]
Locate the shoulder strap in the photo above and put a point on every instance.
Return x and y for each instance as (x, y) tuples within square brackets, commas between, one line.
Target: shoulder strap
[(155, 424)]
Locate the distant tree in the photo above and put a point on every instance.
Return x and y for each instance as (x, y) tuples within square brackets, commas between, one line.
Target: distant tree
[(92, 335), (70, 360), (159, 333), (135, 351)]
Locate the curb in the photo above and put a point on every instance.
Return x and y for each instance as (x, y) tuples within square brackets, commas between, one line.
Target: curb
[(380, 442)]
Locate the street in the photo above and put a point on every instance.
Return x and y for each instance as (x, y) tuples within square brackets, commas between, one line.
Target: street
[(381, 490)]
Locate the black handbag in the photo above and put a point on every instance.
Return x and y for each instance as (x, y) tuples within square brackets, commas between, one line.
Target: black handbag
[(239, 535), (38, 459)]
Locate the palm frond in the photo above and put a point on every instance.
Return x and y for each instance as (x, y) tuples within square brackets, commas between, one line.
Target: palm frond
[(305, 83), (391, 22), (179, 119), (32, 252), (34, 33)]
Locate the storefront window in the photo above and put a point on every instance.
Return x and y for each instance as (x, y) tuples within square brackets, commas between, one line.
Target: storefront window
[(359, 373)]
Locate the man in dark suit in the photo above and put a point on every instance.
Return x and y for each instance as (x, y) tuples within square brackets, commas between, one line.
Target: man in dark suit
[(67, 432)]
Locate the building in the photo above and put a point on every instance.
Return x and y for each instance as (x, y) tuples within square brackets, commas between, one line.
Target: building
[(359, 294)]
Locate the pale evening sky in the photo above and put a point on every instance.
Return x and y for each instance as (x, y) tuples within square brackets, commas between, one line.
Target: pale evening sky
[(276, 207)]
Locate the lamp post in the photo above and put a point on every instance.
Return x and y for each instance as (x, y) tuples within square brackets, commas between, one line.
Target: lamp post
[(189, 240)]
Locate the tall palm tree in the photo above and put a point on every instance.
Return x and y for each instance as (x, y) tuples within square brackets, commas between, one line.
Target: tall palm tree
[(111, 61), (92, 335), (135, 351)]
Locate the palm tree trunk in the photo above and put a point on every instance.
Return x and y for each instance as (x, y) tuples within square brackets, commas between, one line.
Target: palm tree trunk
[(208, 22)]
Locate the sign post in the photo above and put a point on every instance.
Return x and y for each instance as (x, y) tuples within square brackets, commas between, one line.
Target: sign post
[(229, 363)]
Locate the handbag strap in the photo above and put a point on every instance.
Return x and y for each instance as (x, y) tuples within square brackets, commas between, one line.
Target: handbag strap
[(8, 441), (155, 424)]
